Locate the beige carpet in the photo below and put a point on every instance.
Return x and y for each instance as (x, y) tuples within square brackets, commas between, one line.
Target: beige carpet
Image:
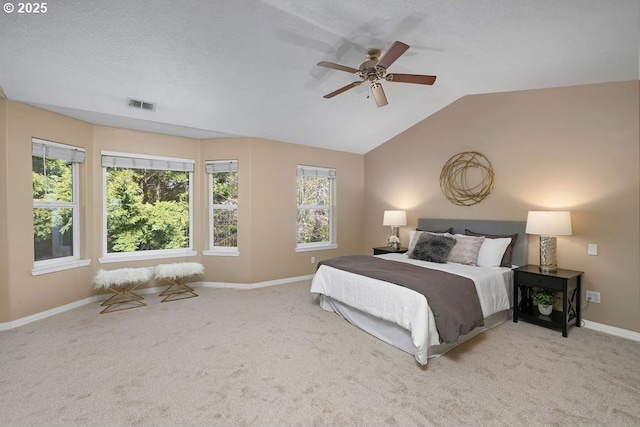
[(273, 357)]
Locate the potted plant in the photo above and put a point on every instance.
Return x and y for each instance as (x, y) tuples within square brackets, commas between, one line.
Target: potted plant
[(545, 299)]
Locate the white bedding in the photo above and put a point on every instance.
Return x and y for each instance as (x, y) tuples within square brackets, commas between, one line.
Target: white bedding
[(407, 308)]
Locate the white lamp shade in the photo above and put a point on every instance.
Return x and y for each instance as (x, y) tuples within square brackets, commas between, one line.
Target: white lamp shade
[(549, 223), (395, 218)]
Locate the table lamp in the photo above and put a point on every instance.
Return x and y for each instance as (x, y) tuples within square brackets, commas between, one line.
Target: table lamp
[(548, 225), (395, 219)]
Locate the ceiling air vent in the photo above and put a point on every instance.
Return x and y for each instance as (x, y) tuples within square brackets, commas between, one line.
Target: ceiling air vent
[(141, 105)]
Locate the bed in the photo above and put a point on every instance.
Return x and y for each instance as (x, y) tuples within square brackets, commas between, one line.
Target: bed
[(403, 317)]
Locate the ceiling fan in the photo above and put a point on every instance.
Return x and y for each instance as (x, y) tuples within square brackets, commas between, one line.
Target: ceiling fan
[(373, 70)]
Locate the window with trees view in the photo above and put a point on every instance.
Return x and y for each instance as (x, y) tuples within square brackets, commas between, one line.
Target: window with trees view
[(223, 206), (147, 203), (55, 201), (315, 200)]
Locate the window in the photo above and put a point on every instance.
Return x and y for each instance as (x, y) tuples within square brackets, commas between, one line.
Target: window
[(316, 215), (56, 238), (147, 206), (223, 207)]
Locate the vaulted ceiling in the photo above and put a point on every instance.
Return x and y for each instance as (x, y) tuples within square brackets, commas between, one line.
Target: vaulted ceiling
[(248, 67)]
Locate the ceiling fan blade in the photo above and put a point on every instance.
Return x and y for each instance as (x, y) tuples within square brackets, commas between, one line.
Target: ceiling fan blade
[(378, 94), (338, 67), (342, 89), (411, 78), (394, 52)]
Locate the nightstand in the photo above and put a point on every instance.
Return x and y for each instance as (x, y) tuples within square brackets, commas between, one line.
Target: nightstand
[(566, 282), (387, 250)]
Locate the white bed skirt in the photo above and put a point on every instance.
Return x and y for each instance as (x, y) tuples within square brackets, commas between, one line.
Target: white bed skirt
[(396, 335)]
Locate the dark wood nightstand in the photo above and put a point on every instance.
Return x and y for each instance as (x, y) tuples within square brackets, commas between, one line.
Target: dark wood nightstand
[(387, 250), (565, 281)]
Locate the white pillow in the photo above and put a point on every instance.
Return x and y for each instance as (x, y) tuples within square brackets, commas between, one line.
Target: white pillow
[(491, 252), (412, 234)]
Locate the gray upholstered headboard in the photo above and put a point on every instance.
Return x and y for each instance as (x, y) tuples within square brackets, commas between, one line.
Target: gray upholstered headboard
[(520, 252)]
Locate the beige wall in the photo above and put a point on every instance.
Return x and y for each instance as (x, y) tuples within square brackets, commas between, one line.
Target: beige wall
[(267, 214), (29, 294), (274, 215), (267, 206), (573, 148), (4, 242)]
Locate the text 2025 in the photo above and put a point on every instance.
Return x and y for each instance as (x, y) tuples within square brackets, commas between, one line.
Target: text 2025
[(32, 8)]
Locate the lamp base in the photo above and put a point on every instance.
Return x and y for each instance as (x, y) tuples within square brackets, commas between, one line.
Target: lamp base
[(548, 254), (395, 232)]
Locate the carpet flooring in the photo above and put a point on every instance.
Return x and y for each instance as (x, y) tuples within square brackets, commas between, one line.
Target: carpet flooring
[(273, 357)]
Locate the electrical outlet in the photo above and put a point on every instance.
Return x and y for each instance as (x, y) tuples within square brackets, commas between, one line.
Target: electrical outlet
[(593, 297), (313, 260)]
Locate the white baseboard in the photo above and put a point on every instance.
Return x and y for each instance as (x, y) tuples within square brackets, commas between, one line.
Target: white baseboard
[(612, 330), (96, 298), (51, 312), (57, 310), (254, 285)]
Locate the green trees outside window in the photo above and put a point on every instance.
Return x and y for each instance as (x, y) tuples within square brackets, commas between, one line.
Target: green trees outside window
[(53, 204), (147, 209), (225, 209)]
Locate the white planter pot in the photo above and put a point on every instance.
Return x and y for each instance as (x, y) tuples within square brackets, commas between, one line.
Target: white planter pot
[(545, 310)]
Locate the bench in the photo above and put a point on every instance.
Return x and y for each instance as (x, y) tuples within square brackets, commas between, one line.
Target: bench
[(122, 282), (178, 275)]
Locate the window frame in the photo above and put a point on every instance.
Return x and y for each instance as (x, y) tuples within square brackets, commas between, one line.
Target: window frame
[(77, 155), (331, 174), (147, 254), (221, 250)]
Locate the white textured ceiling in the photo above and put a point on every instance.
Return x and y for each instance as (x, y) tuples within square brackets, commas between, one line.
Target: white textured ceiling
[(221, 68)]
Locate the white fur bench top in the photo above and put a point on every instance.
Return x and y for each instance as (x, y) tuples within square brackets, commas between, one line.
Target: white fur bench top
[(178, 270), (121, 277)]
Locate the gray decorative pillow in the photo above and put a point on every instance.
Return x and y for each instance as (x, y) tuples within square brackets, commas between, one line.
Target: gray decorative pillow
[(433, 248), (506, 258), (465, 250), (448, 230), (414, 236)]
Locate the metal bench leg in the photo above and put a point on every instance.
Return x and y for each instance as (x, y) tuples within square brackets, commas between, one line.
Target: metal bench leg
[(177, 290), (123, 298)]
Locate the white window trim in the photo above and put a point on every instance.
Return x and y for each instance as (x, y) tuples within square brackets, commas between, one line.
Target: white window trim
[(317, 246), (73, 261), (60, 264), (219, 250), (222, 251), (144, 255), (303, 170)]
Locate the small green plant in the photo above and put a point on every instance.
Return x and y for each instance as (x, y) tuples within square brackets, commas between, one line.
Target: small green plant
[(544, 296)]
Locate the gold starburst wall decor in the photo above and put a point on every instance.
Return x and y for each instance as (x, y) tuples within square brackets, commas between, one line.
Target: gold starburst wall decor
[(467, 178)]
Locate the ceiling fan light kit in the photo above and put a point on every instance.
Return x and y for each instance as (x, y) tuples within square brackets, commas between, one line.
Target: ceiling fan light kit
[(375, 69), (378, 94)]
